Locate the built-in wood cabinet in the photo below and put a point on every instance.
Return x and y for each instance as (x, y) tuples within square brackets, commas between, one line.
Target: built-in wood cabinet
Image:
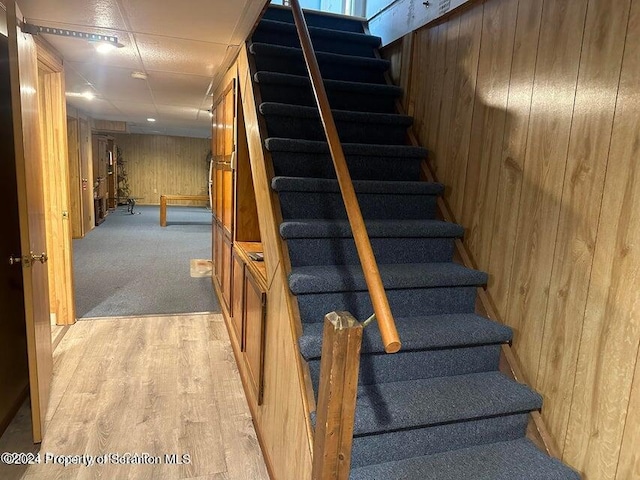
[(249, 314), (222, 179), (240, 280)]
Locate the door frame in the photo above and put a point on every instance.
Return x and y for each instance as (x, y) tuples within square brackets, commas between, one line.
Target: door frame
[(56, 183)]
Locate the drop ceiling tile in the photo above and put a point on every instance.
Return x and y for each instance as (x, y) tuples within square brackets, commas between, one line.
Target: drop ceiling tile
[(82, 51), (97, 108), (101, 13), (113, 83), (178, 89), (74, 82), (176, 55), (207, 20), (173, 112), (136, 111)]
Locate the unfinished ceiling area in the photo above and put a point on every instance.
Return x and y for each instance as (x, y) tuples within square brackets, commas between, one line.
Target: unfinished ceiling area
[(182, 47)]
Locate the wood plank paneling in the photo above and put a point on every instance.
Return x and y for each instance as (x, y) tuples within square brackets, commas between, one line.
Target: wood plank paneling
[(451, 34), (487, 129), (600, 65), (548, 192), (545, 160), (525, 51), (609, 347), (464, 102), (159, 165)]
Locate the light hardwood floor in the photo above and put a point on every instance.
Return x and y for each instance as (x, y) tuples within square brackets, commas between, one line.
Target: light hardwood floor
[(146, 385)]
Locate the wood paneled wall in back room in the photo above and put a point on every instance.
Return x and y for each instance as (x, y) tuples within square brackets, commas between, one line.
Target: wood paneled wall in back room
[(530, 111), (158, 165)]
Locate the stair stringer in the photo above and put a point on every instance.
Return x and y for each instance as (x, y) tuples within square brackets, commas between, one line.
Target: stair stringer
[(283, 421)]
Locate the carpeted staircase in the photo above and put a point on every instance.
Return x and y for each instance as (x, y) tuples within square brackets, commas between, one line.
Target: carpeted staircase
[(439, 409)]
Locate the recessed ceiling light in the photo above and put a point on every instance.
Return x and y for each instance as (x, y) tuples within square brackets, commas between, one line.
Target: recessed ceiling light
[(151, 120), (105, 47), (139, 75), (87, 95)]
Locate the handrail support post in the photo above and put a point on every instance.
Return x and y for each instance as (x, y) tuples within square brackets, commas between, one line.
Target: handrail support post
[(339, 366)]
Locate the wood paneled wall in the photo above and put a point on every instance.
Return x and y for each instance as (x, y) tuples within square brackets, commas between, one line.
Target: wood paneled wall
[(158, 165), (530, 111)]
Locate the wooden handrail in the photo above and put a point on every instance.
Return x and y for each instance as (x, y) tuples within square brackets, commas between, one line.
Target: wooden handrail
[(387, 326), (337, 392)]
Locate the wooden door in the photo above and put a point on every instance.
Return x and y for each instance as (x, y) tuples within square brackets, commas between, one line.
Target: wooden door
[(75, 179), (23, 69), (14, 371), (86, 171)]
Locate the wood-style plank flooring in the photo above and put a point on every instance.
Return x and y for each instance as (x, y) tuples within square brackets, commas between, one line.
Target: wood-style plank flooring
[(151, 386)]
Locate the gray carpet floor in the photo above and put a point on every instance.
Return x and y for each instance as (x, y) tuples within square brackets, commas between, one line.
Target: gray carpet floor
[(129, 265)]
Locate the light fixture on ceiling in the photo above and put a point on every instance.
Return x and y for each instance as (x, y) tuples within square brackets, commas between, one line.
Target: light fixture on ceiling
[(91, 37), (104, 47), (151, 120), (88, 95), (139, 75)]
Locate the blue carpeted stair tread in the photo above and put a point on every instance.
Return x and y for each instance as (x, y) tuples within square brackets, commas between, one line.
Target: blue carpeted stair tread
[(312, 228), (513, 460), (316, 19), (286, 28), (298, 111), (434, 401), (286, 80), (257, 48), (304, 184), (445, 331), (439, 409), (274, 144), (344, 278)]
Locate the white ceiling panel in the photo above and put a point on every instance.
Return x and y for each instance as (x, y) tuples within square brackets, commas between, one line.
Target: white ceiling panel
[(173, 112), (181, 46), (104, 79), (98, 13), (95, 106), (209, 20), (176, 89), (176, 55), (137, 111), (80, 51)]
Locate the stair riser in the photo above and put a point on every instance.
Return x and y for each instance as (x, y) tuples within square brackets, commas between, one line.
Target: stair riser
[(342, 251), (330, 70), (316, 20), (404, 303), (293, 164), (386, 447), (400, 367), (330, 206), (321, 43), (338, 99), (349, 132)]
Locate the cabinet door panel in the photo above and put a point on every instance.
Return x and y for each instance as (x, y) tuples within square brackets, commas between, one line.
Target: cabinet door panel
[(226, 270), (237, 300), (218, 253), (219, 192), (255, 317), (227, 200)]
